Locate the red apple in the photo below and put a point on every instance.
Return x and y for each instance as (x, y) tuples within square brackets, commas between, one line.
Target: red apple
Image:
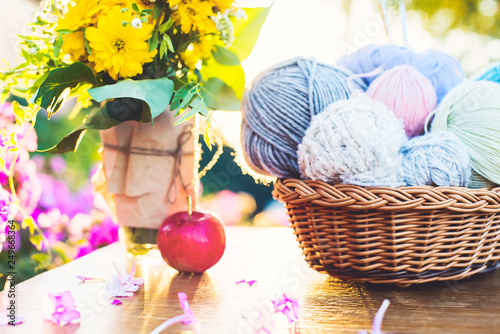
[(191, 243)]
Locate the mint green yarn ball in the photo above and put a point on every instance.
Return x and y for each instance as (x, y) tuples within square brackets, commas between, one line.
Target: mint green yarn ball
[(471, 111)]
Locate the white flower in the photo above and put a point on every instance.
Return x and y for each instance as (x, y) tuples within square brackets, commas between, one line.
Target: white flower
[(124, 286), (33, 51), (136, 23)]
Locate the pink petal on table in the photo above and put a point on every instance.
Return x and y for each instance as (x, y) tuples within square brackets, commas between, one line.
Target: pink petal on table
[(90, 279), (70, 315), (185, 307), (252, 282), (242, 281), (289, 306), (116, 302), (187, 318), (377, 320)]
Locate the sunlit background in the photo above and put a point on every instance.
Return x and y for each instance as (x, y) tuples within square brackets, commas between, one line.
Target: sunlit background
[(324, 29)]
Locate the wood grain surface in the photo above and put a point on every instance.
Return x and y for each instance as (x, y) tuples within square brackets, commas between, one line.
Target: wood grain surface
[(270, 256)]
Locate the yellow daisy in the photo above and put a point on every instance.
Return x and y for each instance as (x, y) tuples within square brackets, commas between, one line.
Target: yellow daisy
[(74, 44), (194, 15), (121, 51), (78, 16)]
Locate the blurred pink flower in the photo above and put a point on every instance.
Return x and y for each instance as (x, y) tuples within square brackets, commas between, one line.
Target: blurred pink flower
[(231, 207), (274, 214), (104, 233), (58, 164), (78, 225)]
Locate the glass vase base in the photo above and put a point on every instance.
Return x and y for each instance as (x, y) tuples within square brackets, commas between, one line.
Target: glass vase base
[(139, 242)]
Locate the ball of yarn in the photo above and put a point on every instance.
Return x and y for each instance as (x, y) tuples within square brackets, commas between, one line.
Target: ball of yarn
[(371, 57), (277, 110), (476, 181), (472, 112), (354, 141), (406, 92), (436, 159), (492, 73), (442, 70)]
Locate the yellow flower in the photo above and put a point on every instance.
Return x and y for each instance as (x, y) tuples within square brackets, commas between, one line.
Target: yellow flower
[(196, 52), (109, 4), (79, 15), (119, 50), (194, 15), (223, 5), (74, 44)]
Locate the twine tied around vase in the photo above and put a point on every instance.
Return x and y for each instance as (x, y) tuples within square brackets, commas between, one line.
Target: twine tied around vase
[(177, 154)]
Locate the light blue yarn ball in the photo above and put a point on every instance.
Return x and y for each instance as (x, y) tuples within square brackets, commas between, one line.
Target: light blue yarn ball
[(442, 70), (492, 73), (277, 110), (437, 159)]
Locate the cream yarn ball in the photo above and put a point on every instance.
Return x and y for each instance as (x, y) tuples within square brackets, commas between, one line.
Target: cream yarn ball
[(354, 141)]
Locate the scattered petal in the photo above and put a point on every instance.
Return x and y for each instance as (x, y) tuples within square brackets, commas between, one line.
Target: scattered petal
[(252, 282), (289, 306), (123, 286), (242, 281), (90, 279), (187, 318), (116, 302), (61, 308), (377, 320)]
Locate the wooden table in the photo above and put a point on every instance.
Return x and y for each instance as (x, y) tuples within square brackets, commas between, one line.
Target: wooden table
[(271, 256)]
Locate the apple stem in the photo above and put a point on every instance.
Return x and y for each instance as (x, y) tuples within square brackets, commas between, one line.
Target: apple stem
[(190, 206)]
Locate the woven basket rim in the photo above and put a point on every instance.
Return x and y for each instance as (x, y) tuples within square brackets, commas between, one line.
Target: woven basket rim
[(458, 199)]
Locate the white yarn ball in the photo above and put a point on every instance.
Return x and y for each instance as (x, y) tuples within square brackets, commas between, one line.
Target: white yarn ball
[(354, 141)]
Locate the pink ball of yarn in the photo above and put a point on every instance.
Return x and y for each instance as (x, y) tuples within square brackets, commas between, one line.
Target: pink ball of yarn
[(408, 93)]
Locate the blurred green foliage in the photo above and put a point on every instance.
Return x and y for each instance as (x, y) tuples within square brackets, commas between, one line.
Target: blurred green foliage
[(440, 16)]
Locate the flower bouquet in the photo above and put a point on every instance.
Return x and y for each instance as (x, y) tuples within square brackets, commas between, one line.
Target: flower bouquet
[(137, 69)]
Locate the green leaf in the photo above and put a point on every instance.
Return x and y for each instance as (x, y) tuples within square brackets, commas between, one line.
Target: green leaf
[(50, 94), (225, 57), (135, 7), (153, 41), (199, 108), (158, 10), (183, 96), (37, 241), (98, 120), (246, 32), (163, 48), (157, 93), (29, 223), (57, 46), (147, 11), (219, 96), (42, 259), (169, 42), (165, 26), (233, 76)]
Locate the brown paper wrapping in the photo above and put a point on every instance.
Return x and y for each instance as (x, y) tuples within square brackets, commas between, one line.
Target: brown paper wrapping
[(139, 185)]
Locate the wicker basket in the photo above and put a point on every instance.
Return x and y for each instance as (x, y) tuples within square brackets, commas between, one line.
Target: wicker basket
[(403, 236)]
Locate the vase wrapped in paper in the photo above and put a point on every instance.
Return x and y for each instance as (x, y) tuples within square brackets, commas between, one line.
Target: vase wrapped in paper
[(147, 173)]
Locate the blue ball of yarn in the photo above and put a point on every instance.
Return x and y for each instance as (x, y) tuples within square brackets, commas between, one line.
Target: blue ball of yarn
[(442, 70), (437, 159), (277, 110), (492, 73)]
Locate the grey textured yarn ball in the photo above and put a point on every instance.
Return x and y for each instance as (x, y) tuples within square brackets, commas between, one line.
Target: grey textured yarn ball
[(436, 159), (277, 109), (354, 141)]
